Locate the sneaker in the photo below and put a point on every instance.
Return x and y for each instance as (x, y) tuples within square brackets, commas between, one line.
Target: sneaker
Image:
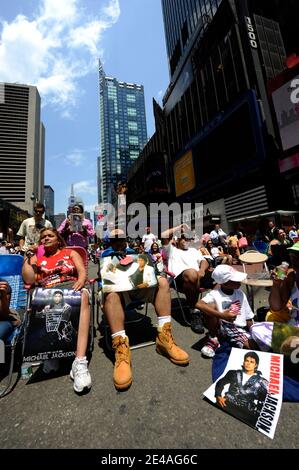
[(210, 347), (50, 365), (196, 322), (80, 375)]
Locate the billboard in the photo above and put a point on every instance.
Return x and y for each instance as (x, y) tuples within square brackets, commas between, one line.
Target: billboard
[(184, 174), (286, 105)]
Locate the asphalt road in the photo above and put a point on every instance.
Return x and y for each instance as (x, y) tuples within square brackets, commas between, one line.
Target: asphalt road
[(163, 409)]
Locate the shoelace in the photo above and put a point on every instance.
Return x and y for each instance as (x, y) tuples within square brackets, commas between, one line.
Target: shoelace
[(121, 352), (168, 334), (211, 343), (81, 367)]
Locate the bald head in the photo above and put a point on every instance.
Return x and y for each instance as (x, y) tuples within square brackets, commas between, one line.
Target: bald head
[(117, 233)]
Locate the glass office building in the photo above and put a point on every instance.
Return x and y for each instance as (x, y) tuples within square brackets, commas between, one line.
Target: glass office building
[(184, 21), (123, 132)]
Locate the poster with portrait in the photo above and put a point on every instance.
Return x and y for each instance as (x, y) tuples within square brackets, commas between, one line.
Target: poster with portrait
[(250, 389), (52, 327), (127, 272), (76, 221)]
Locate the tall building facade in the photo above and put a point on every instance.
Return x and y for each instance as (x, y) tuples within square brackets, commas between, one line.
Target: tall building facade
[(221, 137), (49, 202), (123, 131), (22, 146)]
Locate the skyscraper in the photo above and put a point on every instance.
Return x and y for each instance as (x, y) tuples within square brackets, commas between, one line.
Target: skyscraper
[(123, 131), (21, 145), (49, 202), (184, 21)]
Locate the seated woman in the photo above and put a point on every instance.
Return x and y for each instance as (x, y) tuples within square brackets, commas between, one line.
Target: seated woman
[(63, 268), (156, 257), (8, 319), (284, 306), (278, 248), (218, 254)]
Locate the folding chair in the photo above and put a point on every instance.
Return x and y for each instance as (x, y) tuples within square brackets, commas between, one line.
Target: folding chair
[(84, 255), (11, 271), (261, 246), (31, 352)]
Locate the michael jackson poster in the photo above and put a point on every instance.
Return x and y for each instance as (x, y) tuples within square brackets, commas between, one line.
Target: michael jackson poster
[(250, 389), (126, 273), (51, 331)]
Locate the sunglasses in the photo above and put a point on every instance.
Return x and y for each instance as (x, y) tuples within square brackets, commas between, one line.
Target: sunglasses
[(39, 212)]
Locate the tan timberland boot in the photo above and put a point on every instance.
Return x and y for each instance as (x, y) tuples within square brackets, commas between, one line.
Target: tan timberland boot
[(122, 375), (166, 346)]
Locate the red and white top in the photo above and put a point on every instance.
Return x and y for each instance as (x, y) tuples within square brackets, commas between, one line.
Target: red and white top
[(52, 270)]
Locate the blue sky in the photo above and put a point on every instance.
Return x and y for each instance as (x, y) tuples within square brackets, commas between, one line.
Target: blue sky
[(54, 45)]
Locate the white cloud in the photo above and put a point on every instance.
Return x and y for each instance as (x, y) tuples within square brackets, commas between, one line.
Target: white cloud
[(75, 158), (85, 187), (55, 48)]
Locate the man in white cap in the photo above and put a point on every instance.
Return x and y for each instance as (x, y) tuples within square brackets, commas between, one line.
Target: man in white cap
[(226, 311)]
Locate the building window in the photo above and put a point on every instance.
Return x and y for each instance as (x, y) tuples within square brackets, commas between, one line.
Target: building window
[(132, 126), (131, 98), (131, 111)]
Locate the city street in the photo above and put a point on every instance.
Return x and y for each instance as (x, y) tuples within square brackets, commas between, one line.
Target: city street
[(163, 409)]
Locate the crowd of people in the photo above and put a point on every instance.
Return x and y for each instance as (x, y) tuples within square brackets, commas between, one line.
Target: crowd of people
[(203, 267)]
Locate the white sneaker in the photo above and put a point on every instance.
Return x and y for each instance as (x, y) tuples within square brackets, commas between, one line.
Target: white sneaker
[(80, 375), (50, 365), (209, 349)]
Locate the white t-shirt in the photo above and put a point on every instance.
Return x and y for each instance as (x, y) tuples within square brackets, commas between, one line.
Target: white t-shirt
[(148, 239), (180, 260), (223, 302), (215, 252), (30, 231)]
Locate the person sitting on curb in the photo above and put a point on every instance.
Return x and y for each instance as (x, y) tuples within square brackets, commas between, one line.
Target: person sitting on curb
[(113, 307), (190, 268), (226, 311)]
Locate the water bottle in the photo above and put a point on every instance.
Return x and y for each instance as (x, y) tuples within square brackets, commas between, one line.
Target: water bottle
[(282, 270), (26, 370)]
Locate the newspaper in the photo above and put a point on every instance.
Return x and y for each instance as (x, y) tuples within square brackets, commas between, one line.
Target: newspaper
[(250, 389)]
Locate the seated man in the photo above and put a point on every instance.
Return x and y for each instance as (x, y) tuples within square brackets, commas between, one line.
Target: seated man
[(190, 269), (8, 319), (113, 306)]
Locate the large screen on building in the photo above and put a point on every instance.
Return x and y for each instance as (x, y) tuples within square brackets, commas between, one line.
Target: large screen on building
[(287, 112)]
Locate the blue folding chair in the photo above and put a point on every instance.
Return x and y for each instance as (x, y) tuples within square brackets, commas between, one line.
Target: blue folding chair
[(261, 246), (11, 271)]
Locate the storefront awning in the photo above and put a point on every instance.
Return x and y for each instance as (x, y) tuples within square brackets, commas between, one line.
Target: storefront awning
[(264, 214)]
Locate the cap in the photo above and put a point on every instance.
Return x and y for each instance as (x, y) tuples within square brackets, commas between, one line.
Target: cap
[(224, 273), (295, 247)]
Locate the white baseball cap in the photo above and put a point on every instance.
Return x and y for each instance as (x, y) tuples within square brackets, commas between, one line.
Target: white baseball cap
[(224, 273)]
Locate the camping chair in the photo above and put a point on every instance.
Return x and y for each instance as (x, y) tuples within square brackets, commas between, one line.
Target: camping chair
[(11, 271), (84, 255), (30, 352), (261, 246)]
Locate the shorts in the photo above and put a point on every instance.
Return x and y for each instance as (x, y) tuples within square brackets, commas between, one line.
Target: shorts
[(206, 282), (236, 336), (143, 295)]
